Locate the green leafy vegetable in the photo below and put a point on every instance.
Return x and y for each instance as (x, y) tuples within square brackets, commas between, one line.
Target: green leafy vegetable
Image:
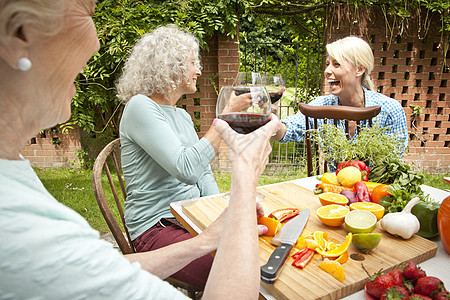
[(393, 172)]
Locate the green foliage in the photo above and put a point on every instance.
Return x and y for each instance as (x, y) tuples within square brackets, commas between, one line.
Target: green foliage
[(273, 45), (120, 24), (278, 23), (371, 145)]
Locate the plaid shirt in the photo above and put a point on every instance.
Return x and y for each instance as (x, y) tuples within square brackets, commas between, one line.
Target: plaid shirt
[(392, 116)]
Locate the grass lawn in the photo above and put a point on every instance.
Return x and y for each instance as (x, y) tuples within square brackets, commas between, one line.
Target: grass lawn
[(73, 187)]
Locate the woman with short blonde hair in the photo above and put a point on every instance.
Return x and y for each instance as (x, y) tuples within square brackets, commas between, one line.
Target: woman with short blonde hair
[(349, 63)]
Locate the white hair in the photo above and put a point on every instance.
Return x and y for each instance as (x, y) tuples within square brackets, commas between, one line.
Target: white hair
[(45, 16), (357, 52), (158, 63)]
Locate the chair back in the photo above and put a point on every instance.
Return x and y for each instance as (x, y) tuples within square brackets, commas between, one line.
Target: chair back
[(112, 151), (336, 113)]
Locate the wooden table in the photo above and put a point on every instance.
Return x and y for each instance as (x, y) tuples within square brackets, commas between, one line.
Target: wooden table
[(196, 214)]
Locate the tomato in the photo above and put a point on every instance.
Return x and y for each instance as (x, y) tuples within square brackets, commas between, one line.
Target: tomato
[(380, 191)]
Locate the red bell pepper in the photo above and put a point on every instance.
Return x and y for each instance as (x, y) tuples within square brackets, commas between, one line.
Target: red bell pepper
[(362, 192), (302, 258), (283, 214), (358, 164)]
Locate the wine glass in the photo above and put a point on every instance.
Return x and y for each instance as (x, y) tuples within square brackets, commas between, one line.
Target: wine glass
[(248, 78), (244, 108), (275, 86)]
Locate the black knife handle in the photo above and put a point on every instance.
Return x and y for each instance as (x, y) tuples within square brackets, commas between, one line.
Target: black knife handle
[(269, 272)]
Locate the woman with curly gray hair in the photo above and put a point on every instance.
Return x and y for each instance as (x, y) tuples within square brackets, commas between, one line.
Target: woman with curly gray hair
[(48, 251), (163, 159)]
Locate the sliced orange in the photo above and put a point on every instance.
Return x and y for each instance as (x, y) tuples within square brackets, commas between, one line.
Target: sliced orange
[(334, 268), (332, 245), (301, 244), (376, 209), (272, 224), (321, 238), (339, 250), (332, 215), (342, 258), (333, 198), (311, 244)]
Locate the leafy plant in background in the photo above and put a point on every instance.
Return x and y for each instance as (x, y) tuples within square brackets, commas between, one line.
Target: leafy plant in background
[(120, 23), (371, 145)]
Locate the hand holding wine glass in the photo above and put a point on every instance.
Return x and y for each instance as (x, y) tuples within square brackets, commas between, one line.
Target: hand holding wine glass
[(275, 86), (243, 115)]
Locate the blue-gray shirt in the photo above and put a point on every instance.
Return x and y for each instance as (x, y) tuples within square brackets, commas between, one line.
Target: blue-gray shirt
[(162, 160)]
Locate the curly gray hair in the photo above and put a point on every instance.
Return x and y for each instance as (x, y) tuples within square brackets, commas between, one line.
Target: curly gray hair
[(158, 63), (45, 16)]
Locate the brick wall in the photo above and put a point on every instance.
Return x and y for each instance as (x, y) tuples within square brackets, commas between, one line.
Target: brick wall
[(413, 71), (53, 148)]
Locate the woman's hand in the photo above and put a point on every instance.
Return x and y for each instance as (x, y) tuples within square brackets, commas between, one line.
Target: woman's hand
[(238, 103)]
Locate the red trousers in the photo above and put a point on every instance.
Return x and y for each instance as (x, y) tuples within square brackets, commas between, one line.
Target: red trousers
[(195, 273)]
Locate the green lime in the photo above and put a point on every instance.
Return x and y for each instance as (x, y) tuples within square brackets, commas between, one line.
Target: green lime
[(366, 241), (360, 221)]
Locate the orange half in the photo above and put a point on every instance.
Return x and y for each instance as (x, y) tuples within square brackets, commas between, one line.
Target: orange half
[(333, 198), (376, 209), (332, 215)]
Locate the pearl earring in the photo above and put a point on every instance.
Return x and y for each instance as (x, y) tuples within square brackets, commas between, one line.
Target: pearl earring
[(24, 64)]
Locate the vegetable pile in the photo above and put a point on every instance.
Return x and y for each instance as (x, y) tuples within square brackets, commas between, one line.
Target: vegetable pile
[(410, 283), (391, 184)]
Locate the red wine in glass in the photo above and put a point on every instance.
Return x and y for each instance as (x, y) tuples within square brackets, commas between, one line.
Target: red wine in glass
[(275, 96), (239, 90), (245, 122)]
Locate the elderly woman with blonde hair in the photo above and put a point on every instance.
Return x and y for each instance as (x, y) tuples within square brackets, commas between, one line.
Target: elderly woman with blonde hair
[(349, 63), (47, 250), (163, 159)]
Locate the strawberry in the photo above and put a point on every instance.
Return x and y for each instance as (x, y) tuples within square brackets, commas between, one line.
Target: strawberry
[(429, 286), (422, 273), (397, 292), (442, 296), (411, 271), (397, 276), (378, 283), (419, 297)]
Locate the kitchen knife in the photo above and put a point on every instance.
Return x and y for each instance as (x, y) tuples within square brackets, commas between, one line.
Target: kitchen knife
[(288, 236)]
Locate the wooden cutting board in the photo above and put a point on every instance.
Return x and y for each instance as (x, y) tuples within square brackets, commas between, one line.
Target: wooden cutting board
[(312, 282)]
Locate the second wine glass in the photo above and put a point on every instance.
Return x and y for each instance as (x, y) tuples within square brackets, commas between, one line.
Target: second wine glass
[(248, 78), (275, 86), (245, 112)]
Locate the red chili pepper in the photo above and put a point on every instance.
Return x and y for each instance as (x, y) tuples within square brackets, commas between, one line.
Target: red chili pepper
[(283, 214), (299, 253), (358, 164), (302, 260), (362, 192)]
